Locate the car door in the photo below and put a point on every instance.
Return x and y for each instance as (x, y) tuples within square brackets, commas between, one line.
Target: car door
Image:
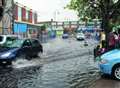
[(37, 47), (27, 47)]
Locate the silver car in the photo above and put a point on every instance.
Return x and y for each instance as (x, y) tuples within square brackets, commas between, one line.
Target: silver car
[(80, 36)]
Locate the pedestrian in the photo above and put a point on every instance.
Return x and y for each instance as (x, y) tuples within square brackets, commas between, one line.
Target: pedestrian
[(112, 41), (118, 44), (116, 39), (102, 39)]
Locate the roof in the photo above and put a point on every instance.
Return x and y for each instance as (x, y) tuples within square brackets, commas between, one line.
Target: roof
[(9, 35)]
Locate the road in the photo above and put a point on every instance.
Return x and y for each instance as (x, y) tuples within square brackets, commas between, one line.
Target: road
[(63, 64)]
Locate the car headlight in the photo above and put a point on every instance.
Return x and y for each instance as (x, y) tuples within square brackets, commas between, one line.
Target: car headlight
[(103, 61), (6, 55)]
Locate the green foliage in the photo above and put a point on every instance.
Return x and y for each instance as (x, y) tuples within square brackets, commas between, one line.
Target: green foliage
[(43, 27), (96, 8), (79, 5)]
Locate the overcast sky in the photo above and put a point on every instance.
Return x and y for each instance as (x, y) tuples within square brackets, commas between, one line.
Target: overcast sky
[(50, 9)]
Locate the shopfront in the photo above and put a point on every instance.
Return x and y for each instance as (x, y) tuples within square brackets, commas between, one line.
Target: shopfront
[(33, 31), (20, 29)]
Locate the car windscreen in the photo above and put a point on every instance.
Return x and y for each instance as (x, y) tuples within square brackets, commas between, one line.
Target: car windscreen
[(15, 43), (81, 34)]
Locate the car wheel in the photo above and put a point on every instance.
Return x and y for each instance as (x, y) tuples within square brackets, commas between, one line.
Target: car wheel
[(1, 63), (35, 56), (28, 57), (5, 63), (116, 72), (23, 56)]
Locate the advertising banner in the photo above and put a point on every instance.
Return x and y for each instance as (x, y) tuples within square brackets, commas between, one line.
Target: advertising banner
[(20, 28)]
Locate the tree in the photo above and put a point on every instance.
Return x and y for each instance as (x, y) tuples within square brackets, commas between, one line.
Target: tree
[(103, 9), (43, 27), (1, 8), (1, 12)]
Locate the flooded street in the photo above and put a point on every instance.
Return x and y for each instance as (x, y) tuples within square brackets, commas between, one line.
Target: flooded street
[(73, 42), (64, 64)]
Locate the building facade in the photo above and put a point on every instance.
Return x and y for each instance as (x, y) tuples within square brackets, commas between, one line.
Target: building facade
[(25, 20), (7, 15), (17, 19)]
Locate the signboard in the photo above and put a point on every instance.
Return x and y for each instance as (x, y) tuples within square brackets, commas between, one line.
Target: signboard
[(20, 28), (60, 23)]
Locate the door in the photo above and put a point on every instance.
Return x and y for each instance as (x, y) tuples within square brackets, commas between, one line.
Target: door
[(36, 46), (27, 47)]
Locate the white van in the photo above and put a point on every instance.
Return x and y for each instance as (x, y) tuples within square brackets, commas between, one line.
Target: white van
[(7, 38)]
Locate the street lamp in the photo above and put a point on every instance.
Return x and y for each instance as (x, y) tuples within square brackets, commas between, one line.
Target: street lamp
[(56, 13)]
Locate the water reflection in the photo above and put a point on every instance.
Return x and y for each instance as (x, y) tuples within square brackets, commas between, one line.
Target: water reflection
[(7, 78), (69, 73), (16, 78)]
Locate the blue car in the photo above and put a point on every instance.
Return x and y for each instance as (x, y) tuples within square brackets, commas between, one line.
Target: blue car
[(110, 63), (65, 36), (20, 48)]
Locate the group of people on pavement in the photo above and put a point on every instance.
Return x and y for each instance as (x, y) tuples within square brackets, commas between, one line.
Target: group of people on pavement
[(113, 42)]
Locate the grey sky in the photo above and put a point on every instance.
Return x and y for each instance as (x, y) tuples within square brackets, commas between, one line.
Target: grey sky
[(48, 9)]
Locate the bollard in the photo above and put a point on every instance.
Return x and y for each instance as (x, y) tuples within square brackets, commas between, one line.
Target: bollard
[(85, 43)]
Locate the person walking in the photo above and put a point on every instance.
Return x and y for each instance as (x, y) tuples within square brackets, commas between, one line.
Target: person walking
[(112, 41), (118, 44), (102, 39)]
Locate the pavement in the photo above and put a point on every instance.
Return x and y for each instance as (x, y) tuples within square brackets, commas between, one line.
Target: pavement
[(107, 83)]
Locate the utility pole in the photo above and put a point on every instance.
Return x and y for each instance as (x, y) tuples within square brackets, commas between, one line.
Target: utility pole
[(13, 12), (2, 3)]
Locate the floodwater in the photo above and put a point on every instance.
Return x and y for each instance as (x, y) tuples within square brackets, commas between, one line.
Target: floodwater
[(64, 64)]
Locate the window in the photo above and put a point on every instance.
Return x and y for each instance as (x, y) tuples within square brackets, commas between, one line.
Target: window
[(27, 43), (10, 40), (35, 43)]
